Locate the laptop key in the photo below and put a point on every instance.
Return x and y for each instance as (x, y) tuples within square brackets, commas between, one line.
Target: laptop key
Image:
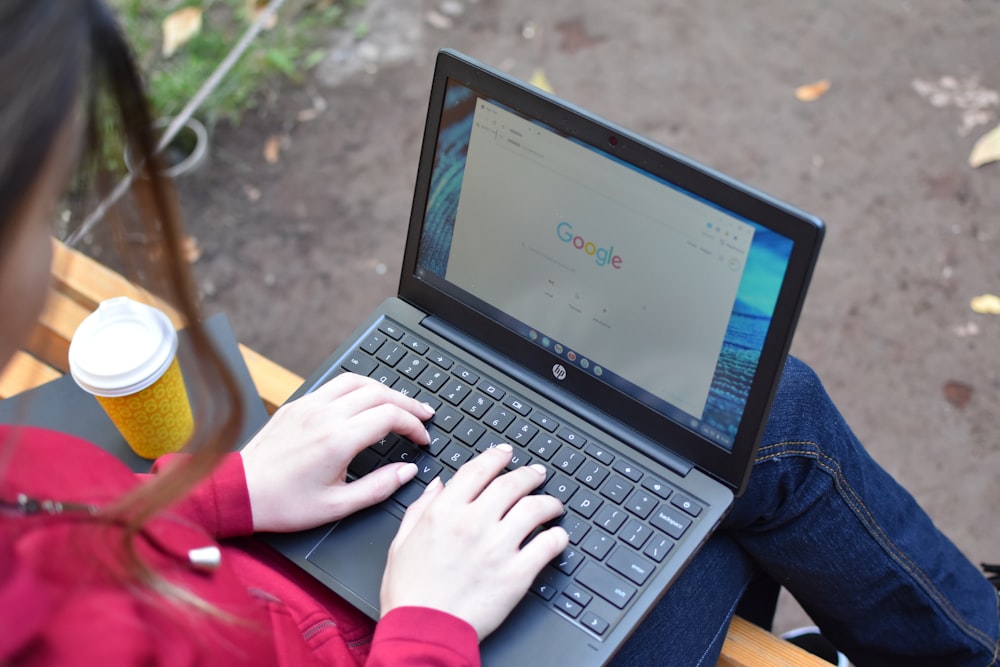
[(432, 378), (561, 488), (427, 469), (634, 567), (466, 374), (361, 364), (438, 441), (440, 359), (574, 526), (605, 584), (408, 493), (569, 607), (592, 474), (594, 623), (412, 366), (446, 418), (598, 451), (517, 405), (616, 489), (568, 561), (391, 353), (657, 486), (628, 469), (670, 522), (598, 544), (572, 437), (658, 548), (385, 376), (545, 421), (585, 502), (454, 391), (415, 344), (641, 503), (469, 432), (635, 534), (406, 388), (404, 451), (455, 455), (577, 594), (567, 460), (393, 331), (363, 463), (499, 417), (493, 391), (544, 446), (373, 342), (610, 518), (686, 504), (476, 405)]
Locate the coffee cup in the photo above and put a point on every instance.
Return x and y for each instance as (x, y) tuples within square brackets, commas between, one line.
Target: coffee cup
[(125, 355)]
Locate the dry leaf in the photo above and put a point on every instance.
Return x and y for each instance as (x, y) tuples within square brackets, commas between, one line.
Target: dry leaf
[(255, 8), (986, 304), (179, 28), (987, 149), (191, 249), (957, 393), (539, 80), (272, 149), (812, 91)]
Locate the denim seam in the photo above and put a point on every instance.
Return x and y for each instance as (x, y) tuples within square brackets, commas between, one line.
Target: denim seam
[(858, 507), (724, 628)]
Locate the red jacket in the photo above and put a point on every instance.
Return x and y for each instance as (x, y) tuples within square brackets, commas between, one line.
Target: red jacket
[(63, 600)]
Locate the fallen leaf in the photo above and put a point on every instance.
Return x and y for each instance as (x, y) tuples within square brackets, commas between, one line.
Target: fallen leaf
[(812, 91), (306, 115), (272, 149), (252, 194), (256, 7), (191, 249), (539, 80), (986, 304), (987, 149), (957, 393), (179, 28)]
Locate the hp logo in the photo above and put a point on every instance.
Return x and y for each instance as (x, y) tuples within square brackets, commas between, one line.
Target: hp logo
[(559, 372)]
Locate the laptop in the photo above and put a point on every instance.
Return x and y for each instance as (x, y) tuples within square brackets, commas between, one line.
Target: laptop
[(615, 311)]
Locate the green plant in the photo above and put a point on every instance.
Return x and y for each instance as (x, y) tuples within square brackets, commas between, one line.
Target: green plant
[(288, 50)]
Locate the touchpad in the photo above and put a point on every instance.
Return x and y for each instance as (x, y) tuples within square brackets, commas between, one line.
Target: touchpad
[(355, 551)]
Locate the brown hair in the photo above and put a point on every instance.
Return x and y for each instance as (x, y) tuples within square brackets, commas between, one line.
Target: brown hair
[(55, 55)]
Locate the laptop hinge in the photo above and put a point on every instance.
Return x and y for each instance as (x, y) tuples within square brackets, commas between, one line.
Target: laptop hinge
[(585, 411)]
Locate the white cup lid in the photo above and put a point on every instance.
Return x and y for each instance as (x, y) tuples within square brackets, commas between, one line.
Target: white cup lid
[(121, 348)]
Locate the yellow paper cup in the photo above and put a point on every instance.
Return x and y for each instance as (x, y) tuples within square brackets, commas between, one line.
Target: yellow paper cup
[(125, 354)]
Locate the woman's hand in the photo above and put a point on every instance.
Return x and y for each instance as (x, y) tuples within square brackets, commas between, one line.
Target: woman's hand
[(296, 466), (459, 547)]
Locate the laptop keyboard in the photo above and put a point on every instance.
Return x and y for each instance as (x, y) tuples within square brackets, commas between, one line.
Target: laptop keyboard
[(622, 521)]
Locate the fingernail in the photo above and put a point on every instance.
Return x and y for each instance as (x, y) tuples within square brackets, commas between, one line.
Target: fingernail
[(427, 407), (504, 447), (407, 472), (539, 468)]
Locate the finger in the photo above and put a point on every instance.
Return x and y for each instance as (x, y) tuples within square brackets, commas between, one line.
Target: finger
[(529, 513), (474, 476), (507, 489), (372, 489), (417, 508), (542, 549), (366, 393), (375, 422)]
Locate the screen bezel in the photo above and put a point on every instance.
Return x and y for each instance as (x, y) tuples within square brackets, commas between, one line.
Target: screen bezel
[(731, 466)]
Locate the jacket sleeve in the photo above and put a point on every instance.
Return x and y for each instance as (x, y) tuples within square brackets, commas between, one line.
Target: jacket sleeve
[(421, 636), (219, 503)]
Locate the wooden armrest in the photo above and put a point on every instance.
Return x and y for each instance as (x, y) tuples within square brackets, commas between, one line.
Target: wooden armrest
[(25, 372), (748, 645)]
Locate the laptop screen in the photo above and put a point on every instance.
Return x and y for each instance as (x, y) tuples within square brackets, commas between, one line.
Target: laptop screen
[(648, 288)]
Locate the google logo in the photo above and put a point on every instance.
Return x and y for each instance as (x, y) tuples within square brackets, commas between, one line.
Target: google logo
[(602, 256)]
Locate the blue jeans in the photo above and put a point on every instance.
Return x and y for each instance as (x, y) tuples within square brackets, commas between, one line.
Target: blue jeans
[(822, 519)]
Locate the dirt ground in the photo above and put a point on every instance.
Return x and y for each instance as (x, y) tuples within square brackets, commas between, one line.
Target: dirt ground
[(298, 251)]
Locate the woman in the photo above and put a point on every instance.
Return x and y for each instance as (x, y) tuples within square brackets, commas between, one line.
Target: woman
[(98, 567)]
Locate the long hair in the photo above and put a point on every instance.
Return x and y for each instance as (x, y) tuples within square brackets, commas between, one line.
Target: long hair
[(61, 55)]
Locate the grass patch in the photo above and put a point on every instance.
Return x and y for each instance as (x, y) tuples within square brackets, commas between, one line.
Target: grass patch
[(287, 51)]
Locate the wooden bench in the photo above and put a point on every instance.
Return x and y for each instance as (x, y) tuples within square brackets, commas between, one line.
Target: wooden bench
[(80, 283)]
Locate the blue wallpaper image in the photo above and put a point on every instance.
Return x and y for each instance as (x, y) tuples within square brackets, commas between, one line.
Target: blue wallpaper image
[(755, 300)]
